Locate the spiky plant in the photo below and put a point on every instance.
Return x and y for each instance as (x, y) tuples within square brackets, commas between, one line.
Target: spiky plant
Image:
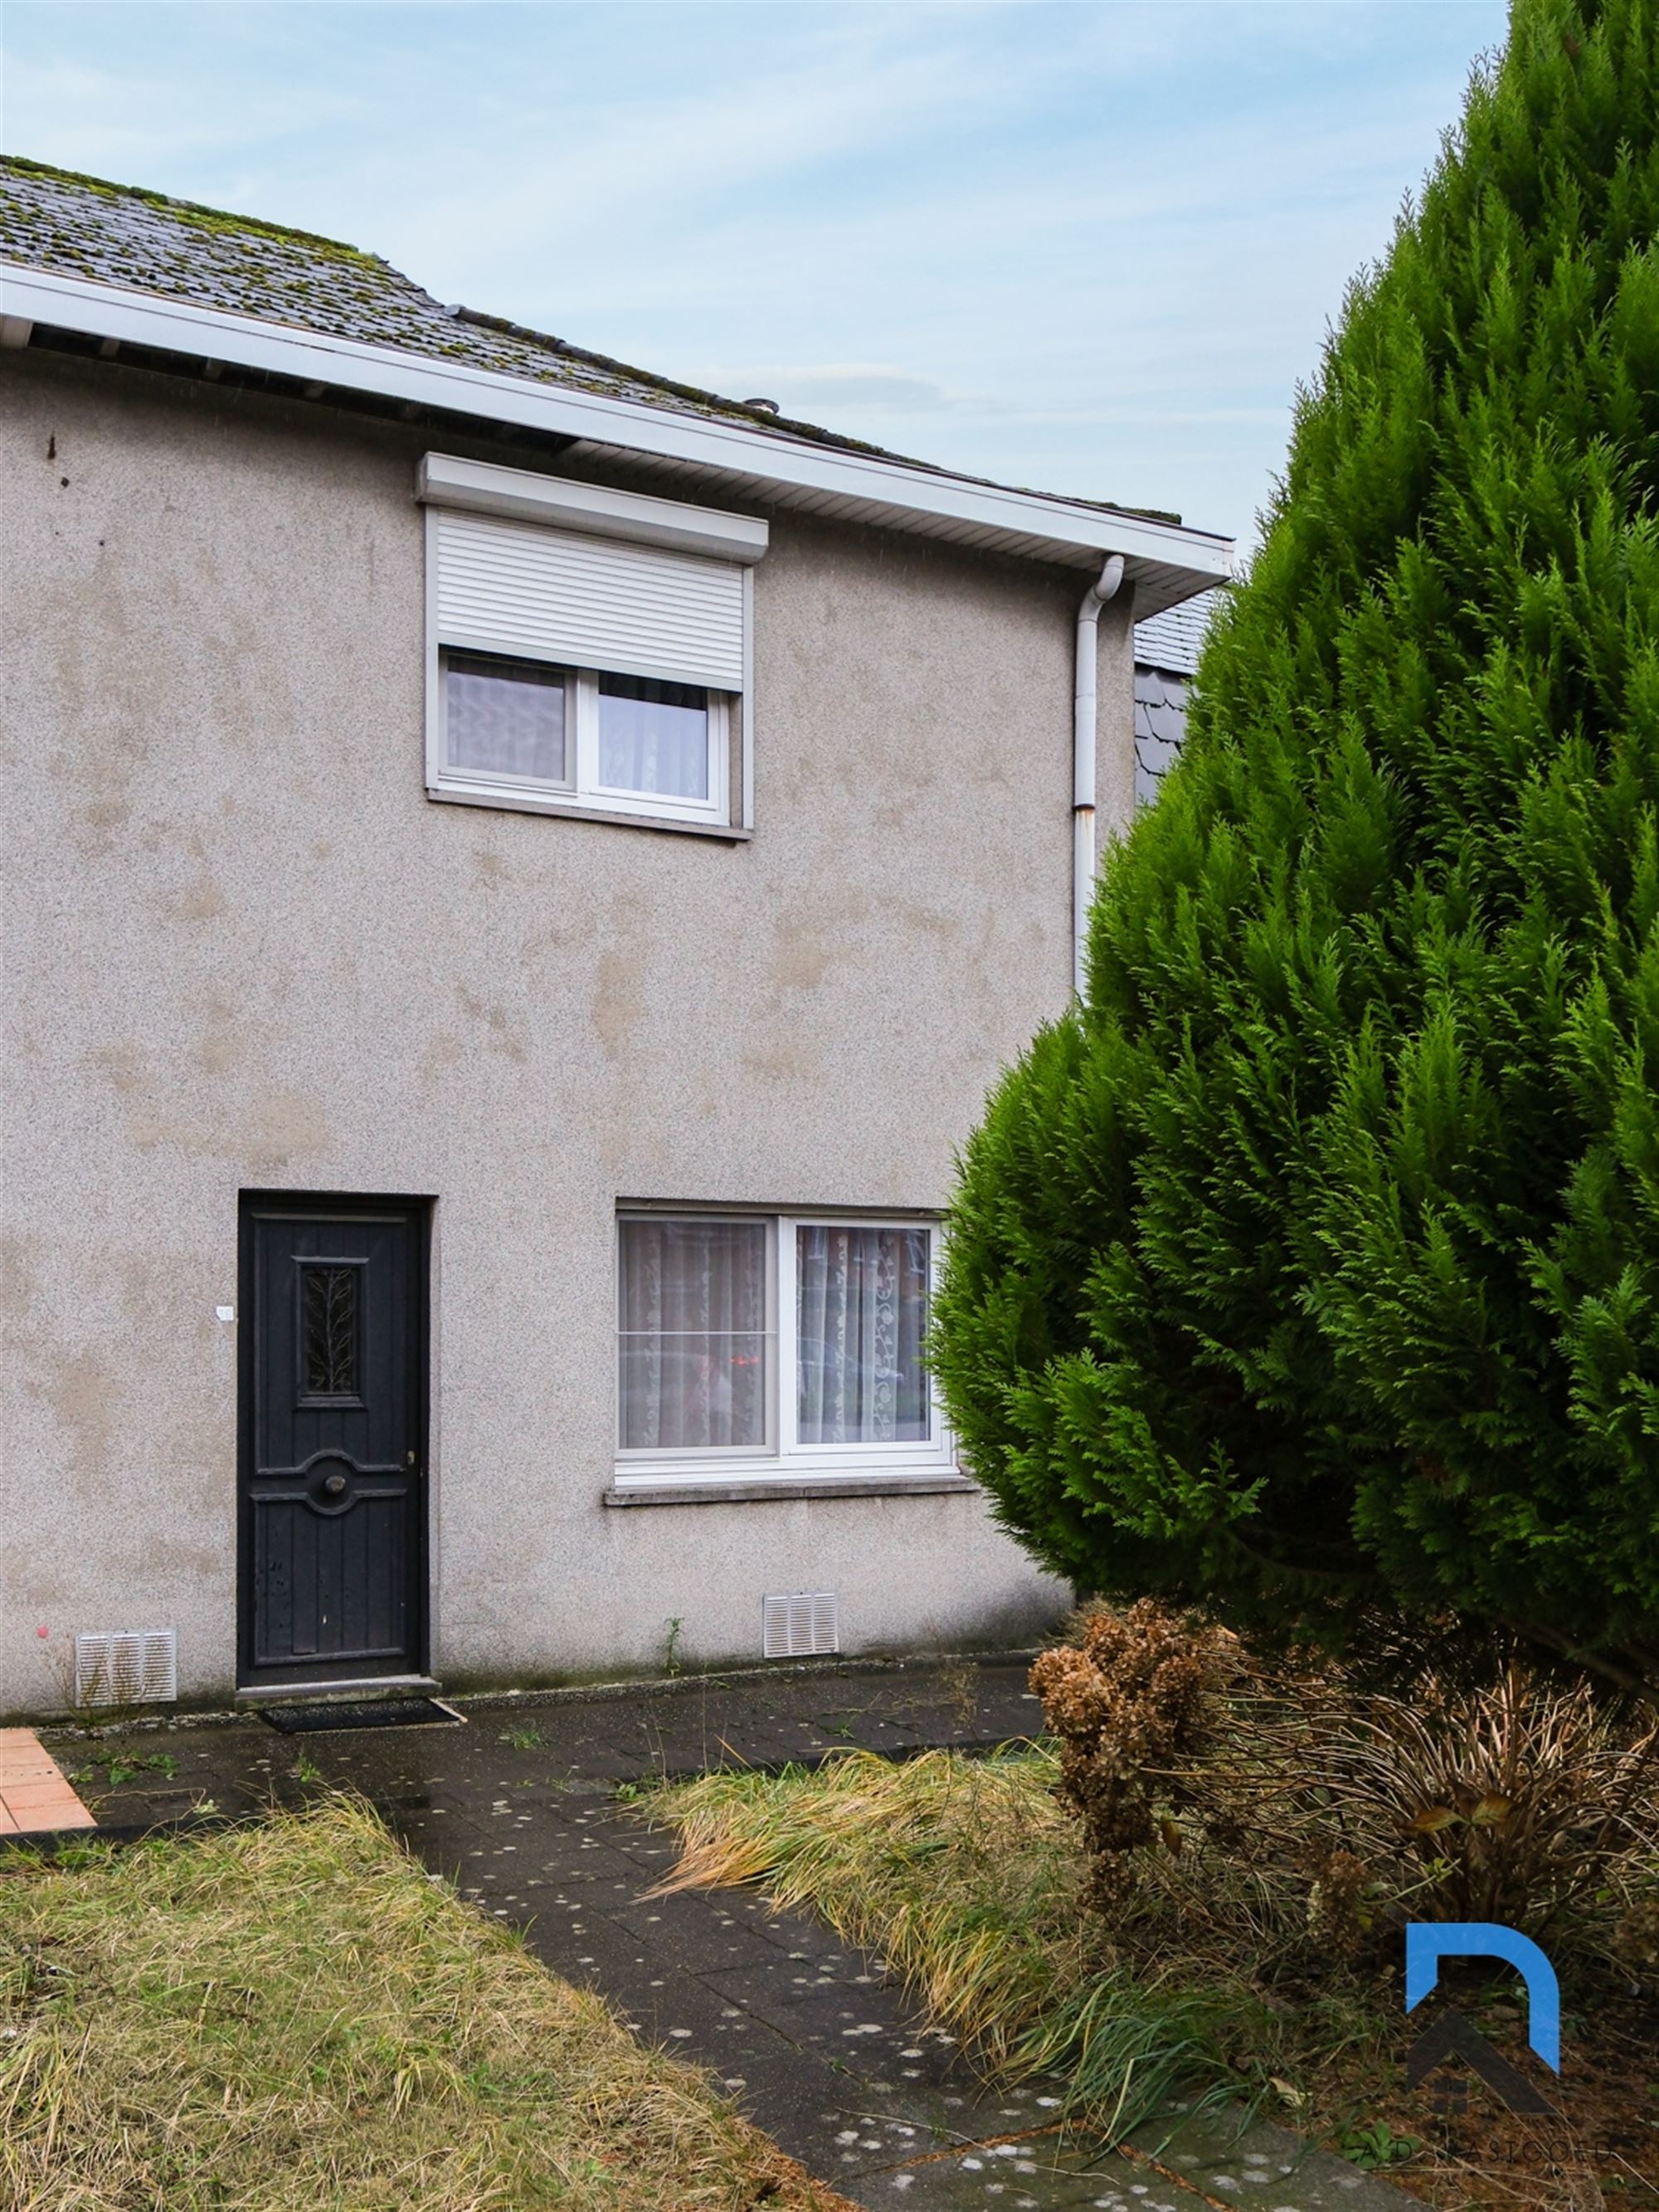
[(1313, 1265)]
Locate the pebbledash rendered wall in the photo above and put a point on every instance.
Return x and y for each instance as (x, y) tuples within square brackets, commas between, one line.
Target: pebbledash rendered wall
[(243, 949)]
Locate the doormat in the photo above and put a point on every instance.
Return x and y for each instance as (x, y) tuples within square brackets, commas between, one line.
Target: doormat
[(368, 1713)]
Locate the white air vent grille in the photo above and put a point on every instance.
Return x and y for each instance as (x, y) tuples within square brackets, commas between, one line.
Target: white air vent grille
[(127, 1666), (801, 1625)]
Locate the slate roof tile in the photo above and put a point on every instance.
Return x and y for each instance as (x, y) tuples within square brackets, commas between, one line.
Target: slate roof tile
[(1172, 641), (1160, 728)]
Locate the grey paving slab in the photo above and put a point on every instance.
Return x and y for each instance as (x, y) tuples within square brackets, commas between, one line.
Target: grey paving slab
[(688, 2017), (1026, 2175), (1260, 2167), (698, 1942), (560, 1856), (827, 2011)]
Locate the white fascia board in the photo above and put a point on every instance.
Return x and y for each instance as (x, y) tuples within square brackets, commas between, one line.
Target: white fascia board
[(486, 488), (885, 488)]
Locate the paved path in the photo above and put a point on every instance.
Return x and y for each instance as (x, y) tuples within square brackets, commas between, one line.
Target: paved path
[(806, 2035)]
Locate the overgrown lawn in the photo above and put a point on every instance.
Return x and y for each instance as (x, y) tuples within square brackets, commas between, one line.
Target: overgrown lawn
[(295, 2016)]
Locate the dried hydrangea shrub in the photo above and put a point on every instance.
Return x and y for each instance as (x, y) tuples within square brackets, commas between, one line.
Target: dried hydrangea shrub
[(1137, 1694)]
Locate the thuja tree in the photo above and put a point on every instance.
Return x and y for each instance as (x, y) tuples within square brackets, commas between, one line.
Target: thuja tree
[(1312, 1268)]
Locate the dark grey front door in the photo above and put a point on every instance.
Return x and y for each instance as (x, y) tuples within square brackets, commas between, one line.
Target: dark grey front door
[(333, 1534)]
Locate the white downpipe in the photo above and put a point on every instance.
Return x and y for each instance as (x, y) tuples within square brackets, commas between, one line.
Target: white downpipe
[(1084, 717)]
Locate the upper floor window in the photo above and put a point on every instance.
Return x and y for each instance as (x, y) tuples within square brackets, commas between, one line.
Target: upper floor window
[(588, 649)]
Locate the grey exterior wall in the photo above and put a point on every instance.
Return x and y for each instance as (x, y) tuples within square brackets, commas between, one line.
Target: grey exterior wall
[(243, 950)]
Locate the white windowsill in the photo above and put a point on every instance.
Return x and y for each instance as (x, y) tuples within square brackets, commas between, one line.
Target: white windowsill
[(740, 1490), (733, 833)]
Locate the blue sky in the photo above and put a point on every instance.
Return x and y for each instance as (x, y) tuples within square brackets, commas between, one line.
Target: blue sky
[(1086, 245)]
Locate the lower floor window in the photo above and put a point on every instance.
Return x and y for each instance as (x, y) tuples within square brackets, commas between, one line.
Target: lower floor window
[(694, 1336), (786, 1339)]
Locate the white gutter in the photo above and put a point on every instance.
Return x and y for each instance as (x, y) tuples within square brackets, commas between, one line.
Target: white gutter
[(1085, 717), (866, 486)]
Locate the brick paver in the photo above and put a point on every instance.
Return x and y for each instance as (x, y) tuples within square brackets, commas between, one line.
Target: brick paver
[(34, 1794)]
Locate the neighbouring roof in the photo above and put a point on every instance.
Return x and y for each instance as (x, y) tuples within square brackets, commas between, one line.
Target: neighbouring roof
[(1160, 728), (1170, 640), (1167, 646)]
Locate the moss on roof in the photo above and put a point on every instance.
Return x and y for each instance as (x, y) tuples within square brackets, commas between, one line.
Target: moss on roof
[(190, 211)]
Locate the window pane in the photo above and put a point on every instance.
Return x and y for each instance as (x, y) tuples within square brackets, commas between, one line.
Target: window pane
[(861, 1310), (653, 736), (505, 717), (693, 1334)]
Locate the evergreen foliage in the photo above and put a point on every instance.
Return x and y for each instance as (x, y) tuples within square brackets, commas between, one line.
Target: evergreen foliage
[(1314, 1263)]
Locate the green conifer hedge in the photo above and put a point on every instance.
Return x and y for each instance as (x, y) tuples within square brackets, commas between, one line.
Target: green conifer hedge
[(1315, 1261)]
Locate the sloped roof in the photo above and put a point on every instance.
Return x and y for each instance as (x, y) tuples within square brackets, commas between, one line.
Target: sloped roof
[(1171, 640), (119, 234), (90, 266)]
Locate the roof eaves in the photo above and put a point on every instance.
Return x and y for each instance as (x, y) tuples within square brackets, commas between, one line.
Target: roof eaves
[(864, 482)]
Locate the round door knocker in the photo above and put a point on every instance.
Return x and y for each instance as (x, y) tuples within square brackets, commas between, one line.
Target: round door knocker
[(332, 1479)]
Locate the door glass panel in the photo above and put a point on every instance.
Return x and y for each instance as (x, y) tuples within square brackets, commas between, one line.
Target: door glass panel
[(328, 1332)]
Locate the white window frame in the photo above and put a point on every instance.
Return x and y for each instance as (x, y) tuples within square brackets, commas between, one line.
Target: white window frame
[(783, 1457), (447, 481), (581, 787)]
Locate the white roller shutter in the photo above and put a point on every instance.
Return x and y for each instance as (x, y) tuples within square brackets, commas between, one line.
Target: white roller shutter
[(588, 601)]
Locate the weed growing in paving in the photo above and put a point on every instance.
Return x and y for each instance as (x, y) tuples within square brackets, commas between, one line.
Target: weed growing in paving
[(1378, 2145), (115, 1768)]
